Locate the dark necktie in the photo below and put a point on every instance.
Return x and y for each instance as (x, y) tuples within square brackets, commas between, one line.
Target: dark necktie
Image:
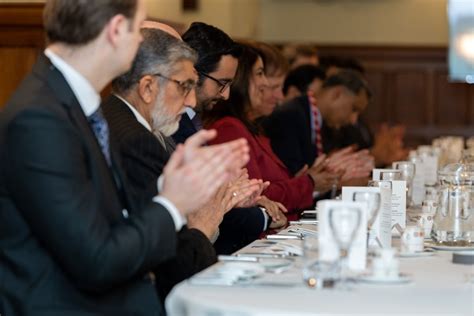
[(197, 122), (101, 130)]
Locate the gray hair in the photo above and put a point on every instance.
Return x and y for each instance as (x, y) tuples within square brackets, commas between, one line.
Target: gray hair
[(158, 53)]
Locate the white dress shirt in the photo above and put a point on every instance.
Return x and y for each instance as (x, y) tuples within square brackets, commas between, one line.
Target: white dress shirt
[(89, 100)]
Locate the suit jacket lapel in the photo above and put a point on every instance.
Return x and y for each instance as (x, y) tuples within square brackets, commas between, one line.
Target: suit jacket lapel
[(63, 91), (305, 107)]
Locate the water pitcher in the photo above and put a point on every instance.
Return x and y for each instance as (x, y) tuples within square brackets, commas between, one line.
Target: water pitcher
[(453, 224)]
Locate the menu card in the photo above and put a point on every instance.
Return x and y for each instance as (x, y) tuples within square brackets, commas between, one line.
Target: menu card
[(382, 226), (328, 247), (399, 200), (418, 189)]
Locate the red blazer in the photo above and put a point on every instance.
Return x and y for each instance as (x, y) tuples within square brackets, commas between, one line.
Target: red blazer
[(293, 192)]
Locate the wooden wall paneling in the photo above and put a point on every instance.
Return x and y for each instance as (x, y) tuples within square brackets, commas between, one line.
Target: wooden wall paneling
[(15, 64), (21, 40), (430, 106), (410, 87), (452, 102), (376, 111), (409, 99), (471, 105)]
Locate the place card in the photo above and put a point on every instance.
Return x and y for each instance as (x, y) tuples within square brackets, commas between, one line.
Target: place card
[(328, 247), (399, 200), (418, 189), (382, 226)]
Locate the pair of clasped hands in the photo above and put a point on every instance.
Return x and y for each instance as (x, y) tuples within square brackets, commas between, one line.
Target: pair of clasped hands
[(205, 182), (347, 166), (343, 167)]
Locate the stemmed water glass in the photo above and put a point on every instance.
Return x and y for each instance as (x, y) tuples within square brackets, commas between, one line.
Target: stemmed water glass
[(344, 222), (372, 200), (407, 170)]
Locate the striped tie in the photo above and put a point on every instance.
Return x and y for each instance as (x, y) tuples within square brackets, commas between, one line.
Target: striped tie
[(317, 130), (101, 131)]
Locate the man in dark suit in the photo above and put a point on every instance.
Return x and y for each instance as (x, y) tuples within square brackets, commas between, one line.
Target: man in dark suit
[(142, 114), (216, 67), (292, 128), (72, 241)]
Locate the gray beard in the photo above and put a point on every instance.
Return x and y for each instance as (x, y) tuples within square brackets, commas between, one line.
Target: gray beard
[(163, 122)]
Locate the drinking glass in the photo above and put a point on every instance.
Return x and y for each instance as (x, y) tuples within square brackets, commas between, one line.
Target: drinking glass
[(407, 170), (372, 200), (391, 175), (344, 222), (316, 274), (468, 155)]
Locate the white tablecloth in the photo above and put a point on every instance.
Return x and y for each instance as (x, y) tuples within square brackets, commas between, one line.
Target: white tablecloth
[(439, 287)]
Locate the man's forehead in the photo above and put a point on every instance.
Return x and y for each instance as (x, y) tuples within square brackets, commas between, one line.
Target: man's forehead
[(226, 64), (185, 67)]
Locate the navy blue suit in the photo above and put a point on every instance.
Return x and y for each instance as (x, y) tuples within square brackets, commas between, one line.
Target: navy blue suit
[(72, 242)]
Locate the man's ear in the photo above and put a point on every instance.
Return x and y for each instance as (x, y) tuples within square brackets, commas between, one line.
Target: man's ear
[(292, 92), (117, 26), (336, 92), (148, 88)]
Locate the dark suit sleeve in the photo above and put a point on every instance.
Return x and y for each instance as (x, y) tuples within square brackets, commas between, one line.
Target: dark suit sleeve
[(195, 253), (50, 181), (143, 163), (283, 128)]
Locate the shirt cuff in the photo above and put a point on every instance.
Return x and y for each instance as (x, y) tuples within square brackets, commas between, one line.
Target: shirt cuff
[(265, 218), (215, 236), (178, 219), (159, 183)]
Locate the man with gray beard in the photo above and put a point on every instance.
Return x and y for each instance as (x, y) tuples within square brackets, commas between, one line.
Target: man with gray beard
[(143, 111)]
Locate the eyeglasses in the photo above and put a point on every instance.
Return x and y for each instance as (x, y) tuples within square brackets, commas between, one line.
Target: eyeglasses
[(223, 83), (184, 87)]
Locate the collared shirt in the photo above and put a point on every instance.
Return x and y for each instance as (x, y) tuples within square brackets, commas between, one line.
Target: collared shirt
[(137, 114), (191, 113), (160, 181), (89, 100), (142, 120)]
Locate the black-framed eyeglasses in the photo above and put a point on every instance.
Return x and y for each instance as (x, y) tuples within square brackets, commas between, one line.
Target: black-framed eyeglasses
[(223, 83), (184, 87)]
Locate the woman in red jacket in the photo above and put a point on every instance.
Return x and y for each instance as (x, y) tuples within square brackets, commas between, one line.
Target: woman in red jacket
[(238, 116)]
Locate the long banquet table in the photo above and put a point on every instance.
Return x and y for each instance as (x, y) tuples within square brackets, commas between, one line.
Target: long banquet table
[(439, 287)]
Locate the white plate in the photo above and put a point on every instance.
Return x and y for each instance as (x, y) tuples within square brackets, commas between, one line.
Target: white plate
[(275, 263), (242, 270), (448, 248), (415, 254), (369, 278)]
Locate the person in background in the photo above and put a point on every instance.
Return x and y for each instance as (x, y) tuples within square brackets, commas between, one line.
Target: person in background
[(72, 240), (238, 117), (386, 145), (302, 128), (303, 79), (301, 54), (216, 67), (142, 113), (276, 69)]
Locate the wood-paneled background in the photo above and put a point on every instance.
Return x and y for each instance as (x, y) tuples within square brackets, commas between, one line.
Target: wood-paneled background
[(410, 84)]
